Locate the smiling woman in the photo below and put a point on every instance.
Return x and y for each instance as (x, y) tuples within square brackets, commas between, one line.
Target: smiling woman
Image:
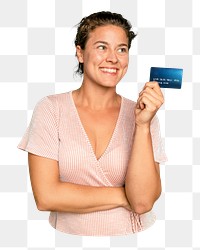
[(105, 56), (100, 19), (94, 155)]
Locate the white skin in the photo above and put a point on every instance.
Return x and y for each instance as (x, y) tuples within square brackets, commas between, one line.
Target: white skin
[(105, 59), (103, 50)]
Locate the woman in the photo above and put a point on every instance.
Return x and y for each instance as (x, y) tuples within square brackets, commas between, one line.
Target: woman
[(94, 155)]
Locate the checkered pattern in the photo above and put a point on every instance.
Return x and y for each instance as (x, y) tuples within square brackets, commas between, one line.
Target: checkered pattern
[(37, 59)]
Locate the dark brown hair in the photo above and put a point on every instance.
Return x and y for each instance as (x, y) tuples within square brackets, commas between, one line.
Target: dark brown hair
[(88, 24)]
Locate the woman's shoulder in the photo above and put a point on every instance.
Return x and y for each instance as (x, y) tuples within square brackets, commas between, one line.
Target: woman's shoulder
[(52, 103), (57, 98), (128, 102), (128, 109), (53, 99)]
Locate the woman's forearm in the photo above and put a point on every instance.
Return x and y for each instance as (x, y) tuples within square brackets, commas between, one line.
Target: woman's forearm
[(68, 197), (142, 185), (53, 195)]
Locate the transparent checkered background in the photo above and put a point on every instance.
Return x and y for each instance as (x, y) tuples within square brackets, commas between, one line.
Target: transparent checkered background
[(37, 59)]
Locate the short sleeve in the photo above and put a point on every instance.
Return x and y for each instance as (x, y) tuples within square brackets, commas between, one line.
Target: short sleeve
[(158, 148), (41, 137)]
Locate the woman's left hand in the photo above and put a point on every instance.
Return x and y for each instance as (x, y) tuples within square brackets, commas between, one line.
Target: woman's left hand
[(149, 101)]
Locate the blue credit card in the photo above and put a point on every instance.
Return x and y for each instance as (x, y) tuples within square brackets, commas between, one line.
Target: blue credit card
[(167, 77)]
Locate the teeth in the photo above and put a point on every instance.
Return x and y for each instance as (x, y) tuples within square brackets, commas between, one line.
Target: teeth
[(109, 70)]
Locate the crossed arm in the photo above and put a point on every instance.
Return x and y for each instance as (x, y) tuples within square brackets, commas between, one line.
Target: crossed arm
[(141, 190), (53, 195)]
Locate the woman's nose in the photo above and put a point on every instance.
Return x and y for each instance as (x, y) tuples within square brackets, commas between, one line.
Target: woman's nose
[(112, 57)]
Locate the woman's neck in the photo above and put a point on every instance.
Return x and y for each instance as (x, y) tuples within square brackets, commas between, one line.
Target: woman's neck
[(98, 98)]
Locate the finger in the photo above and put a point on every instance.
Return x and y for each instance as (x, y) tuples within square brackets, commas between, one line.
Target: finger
[(140, 104), (152, 86), (153, 93), (148, 103), (155, 101), (155, 86)]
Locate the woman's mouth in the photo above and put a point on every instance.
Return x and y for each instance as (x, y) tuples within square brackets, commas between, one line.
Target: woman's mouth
[(109, 70)]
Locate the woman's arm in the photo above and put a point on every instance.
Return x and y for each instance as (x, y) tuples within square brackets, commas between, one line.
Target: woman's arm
[(53, 195), (143, 184)]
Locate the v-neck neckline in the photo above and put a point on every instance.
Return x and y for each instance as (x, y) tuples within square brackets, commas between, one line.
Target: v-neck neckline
[(85, 134)]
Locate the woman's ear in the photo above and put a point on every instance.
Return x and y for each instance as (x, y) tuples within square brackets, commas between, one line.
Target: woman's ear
[(79, 53)]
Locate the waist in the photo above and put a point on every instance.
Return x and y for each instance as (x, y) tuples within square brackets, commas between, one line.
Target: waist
[(118, 221)]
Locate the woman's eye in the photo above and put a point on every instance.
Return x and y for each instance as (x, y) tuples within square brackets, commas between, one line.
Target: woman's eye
[(122, 50), (101, 47)]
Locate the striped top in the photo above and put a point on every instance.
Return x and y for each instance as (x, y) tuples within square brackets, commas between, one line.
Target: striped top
[(56, 132)]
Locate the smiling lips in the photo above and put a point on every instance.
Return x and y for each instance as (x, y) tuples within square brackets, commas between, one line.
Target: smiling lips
[(109, 70)]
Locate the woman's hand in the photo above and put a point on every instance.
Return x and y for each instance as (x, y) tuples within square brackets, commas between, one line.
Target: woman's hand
[(127, 206), (149, 101)]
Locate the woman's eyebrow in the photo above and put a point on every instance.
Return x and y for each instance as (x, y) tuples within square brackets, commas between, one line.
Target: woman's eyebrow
[(119, 45), (101, 42), (123, 44)]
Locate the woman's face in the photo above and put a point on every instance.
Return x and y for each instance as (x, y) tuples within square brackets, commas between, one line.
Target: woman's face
[(105, 56)]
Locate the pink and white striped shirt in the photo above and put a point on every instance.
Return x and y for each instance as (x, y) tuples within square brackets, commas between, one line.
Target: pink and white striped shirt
[(56, 132)]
